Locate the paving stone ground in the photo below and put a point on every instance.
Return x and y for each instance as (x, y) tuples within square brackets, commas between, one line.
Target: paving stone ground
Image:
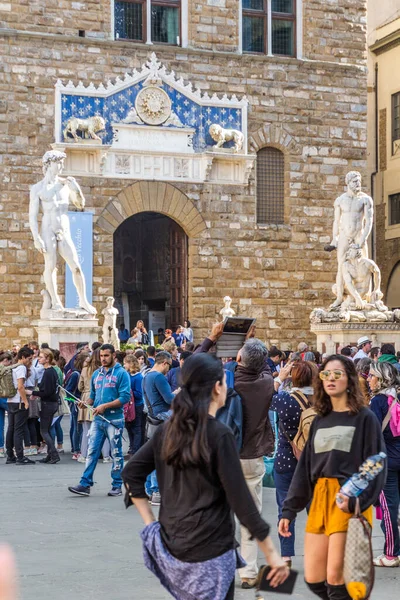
[(71, 547)]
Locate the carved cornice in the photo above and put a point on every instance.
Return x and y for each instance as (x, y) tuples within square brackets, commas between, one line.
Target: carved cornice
[(152, 69), (371, 326)]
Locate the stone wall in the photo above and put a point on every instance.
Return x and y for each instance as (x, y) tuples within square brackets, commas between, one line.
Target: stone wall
[(214, 25), (335, 30), (65, 17), (314, 112)]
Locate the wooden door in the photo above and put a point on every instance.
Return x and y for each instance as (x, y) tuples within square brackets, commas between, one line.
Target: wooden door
[(178, 275)]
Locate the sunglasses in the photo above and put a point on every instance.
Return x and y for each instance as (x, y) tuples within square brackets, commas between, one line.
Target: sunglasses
[(337, 374)]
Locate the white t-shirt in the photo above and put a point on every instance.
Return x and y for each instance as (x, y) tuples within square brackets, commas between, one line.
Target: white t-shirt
[(17, 373), (33, 379), (39, 370)]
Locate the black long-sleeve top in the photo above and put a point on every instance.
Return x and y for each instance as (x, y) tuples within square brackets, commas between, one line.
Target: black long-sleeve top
[(196, 503), (337, 446), (48, 386)]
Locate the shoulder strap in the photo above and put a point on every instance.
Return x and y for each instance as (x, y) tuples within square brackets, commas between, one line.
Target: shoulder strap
[(285, 433), (389, 414), (149, 407), (301, 399)]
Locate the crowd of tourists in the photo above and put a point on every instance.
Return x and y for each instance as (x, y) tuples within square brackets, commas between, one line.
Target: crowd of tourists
[(203, 434)]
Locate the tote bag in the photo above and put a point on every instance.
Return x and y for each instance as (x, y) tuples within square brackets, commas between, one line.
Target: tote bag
[(358, 566), (269, 461)]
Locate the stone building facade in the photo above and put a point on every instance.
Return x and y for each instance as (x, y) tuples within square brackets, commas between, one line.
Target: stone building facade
[(311, 107), (384, 144)]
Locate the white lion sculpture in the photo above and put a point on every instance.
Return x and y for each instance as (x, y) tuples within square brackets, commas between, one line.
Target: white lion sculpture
[(89, 127), (221, 136)]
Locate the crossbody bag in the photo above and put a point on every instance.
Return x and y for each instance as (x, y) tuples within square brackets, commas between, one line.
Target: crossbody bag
[(151, 420)]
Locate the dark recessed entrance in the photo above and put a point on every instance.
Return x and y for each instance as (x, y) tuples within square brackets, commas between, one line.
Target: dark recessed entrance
[(150, 271)]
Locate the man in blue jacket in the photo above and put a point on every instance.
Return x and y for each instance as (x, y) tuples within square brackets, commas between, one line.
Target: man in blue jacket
[(110, 390)]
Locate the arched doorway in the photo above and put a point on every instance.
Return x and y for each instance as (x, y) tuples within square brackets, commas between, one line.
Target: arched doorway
[(393, 290), (150, 271)]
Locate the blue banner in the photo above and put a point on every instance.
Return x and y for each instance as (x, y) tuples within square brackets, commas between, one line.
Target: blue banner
[(81, 224)]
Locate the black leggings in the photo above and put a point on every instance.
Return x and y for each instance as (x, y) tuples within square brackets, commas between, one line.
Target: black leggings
[(231, 592), (47, 413)]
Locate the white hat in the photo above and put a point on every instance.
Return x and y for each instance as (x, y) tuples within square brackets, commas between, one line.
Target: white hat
[(363, 340)]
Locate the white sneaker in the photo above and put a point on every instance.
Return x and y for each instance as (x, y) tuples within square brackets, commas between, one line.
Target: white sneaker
[(384, 561), (34, 451), (42, 449), (107, 459), (155, 499), (27, 452), (2, 454), (81, 459)]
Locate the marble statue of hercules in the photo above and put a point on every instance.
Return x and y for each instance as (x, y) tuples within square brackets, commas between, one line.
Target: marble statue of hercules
[(352, 227), (54, 193)]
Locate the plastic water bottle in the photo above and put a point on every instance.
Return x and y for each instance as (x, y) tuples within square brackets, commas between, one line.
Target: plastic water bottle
[(366, 473)]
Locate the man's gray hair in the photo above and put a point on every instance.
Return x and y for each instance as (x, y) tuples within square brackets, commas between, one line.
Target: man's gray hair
[(162, 357), (253, 354)]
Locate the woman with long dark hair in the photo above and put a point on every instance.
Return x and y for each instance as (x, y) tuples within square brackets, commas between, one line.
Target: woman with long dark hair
[(143, 361), (192, 547), (384, 381), (342, 436)]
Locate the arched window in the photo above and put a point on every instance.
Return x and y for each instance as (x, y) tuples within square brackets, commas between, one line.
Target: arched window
[(270, 185), (393, 290)]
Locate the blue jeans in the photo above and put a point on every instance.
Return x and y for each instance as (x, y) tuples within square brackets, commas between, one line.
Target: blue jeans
[(100, 431), (151, 484), (56, 430), (3, 408), (135, 431), (75, 430), (282, 483)]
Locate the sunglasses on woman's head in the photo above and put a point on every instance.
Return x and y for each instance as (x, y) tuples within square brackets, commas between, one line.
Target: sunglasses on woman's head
[(337, 374)]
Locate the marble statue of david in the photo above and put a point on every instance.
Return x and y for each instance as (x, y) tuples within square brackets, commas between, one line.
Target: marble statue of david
[(53, 194)]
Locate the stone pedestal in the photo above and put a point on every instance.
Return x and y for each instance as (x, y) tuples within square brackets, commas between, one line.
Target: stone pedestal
[(67, 331), (331, 337)]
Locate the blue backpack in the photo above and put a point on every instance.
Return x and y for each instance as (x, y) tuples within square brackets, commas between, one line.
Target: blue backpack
[(232, 413)]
